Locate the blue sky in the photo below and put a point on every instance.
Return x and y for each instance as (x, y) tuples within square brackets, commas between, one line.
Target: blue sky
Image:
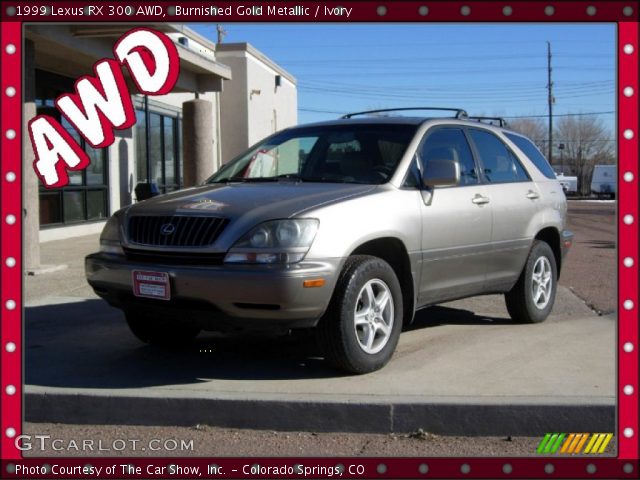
[(490, 69)]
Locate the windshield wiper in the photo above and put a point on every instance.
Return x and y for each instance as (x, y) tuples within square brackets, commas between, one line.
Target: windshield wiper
[(247, 179), (284, 176), (289, 176)]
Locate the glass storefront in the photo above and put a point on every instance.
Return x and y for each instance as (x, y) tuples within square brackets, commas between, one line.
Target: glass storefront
[(165, 159), (85, 198)]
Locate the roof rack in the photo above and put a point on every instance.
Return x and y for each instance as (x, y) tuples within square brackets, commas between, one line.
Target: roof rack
[(501, 121), (460, 113)]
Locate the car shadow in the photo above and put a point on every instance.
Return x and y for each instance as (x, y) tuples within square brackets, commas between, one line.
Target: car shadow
[(87, 344), (439, 315)]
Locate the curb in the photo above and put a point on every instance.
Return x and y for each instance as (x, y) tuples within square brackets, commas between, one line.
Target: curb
[(354, 417)]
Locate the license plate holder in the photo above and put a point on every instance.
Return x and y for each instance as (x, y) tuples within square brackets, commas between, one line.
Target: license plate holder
[(150, 284)]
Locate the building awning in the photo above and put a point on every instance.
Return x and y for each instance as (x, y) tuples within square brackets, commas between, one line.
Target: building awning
[(71, 50)]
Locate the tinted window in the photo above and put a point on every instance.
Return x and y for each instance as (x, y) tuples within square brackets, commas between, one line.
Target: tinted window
[(533, 153), (343, 153), (498, 163), (450, 144)]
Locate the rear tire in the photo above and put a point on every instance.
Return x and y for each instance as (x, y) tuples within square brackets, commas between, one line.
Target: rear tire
[(532, 297), (159, 331), (360, 330)]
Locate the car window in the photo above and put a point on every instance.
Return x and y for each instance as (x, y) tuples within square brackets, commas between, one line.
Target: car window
[(340, 154), (343, 153), (391, 150), (450, 144), (499, 164), (532, 152), (274, 160)]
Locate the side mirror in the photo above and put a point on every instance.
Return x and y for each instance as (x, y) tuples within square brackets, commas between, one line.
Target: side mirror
[(145, 190), (441, 173)]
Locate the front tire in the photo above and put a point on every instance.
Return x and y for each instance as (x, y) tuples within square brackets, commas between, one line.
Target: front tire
[(159, 331), (532, 297), (360, 330)]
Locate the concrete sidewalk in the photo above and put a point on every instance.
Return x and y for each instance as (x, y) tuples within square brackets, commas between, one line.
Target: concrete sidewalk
[(463, 369)]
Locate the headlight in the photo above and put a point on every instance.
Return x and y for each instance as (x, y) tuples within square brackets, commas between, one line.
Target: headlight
[(110, 237), (277, 241)]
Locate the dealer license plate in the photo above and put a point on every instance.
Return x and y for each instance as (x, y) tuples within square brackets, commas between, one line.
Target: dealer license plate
[(151, 284)]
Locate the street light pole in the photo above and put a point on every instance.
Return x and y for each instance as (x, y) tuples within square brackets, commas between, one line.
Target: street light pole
[(550, 101)]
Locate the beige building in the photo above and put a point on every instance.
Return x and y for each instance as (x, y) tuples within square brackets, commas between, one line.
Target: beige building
[(261, 100), (185, 131)]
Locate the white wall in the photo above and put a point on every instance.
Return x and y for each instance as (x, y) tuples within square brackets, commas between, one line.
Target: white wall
[(246, 115), (234, 107), (274, 108)]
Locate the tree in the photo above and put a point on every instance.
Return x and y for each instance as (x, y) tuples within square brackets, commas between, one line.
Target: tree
[(587, 143), (533, 128)]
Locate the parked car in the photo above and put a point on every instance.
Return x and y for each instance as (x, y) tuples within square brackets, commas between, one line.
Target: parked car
[(348, 227), (604, 181)]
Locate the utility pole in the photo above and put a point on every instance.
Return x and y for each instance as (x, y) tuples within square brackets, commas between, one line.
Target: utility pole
[(551, 100), (221, 33)]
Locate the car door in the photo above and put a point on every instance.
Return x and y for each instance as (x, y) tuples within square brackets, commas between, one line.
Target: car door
[(514, 199), (456, 222)]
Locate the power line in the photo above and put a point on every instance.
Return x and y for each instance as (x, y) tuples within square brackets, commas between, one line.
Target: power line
[(358, 72), (469, 98), (360, 60), (562, 115), (315, 110), (519, 87), (485, 94)]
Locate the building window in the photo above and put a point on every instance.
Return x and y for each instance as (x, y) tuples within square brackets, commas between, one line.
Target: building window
[(165, 159), (85, 198)]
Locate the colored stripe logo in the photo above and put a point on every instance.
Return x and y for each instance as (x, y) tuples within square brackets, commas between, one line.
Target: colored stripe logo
[(574, 443)]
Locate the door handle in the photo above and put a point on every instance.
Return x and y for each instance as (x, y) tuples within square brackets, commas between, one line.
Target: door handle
[(532, 195), (479, 199)]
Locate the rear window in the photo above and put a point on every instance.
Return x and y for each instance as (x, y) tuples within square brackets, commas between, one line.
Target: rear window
[(531, 151)]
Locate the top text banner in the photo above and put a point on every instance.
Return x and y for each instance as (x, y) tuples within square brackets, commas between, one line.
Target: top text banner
[(304, 11)]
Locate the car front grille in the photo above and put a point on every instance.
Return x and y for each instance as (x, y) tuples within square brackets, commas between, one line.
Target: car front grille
[(175, 230)]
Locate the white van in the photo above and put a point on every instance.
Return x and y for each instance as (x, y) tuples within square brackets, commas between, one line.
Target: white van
[(604, 180), (569, 183)]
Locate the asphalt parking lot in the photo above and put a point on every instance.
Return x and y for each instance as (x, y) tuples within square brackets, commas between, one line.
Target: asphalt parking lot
[(590, 269), (463, 369)]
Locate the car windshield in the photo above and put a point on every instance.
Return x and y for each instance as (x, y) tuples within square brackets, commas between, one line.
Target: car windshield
[(349, 153)]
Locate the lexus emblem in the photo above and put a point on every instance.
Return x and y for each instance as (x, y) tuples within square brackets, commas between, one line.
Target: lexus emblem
[(167, 229)]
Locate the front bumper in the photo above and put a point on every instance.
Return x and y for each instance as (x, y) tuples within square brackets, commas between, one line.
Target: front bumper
[(218, 297)]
